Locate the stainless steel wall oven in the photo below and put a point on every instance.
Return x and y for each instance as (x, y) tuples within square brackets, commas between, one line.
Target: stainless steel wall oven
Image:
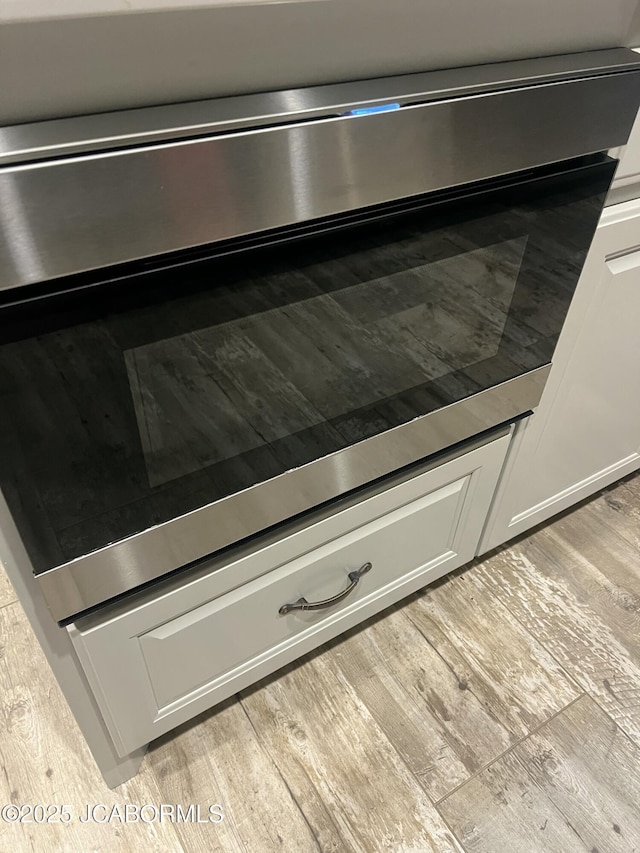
[(218, 316)]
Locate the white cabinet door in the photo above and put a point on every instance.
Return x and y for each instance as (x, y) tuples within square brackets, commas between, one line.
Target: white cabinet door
[(585, 433)]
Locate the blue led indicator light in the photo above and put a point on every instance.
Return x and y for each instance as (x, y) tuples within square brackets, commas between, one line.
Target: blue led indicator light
[(381, 108)]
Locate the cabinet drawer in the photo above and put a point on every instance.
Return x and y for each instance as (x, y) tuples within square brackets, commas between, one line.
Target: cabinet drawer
[(170, 656)]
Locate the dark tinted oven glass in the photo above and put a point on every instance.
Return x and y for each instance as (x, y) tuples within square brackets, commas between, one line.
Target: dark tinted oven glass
[(124, 407)]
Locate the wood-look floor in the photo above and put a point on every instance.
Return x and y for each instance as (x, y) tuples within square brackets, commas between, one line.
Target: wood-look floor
[(496, 712)]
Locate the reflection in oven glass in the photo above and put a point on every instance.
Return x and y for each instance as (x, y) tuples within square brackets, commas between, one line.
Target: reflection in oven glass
[(217, 392)]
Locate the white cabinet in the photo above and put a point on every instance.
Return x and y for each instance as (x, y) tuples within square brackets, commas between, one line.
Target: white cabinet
[(159, 659), (626, 184), (585, 433)]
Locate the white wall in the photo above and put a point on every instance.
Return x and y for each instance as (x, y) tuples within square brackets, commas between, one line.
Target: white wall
[(633, 33)]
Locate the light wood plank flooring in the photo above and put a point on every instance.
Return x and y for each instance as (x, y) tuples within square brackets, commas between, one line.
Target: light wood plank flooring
[(497, 711)]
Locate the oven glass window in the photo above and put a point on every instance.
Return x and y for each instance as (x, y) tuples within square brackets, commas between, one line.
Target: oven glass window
[(122, 409), (331, 356)]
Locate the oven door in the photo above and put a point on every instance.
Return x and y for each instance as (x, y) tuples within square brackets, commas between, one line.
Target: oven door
[(190, 404)]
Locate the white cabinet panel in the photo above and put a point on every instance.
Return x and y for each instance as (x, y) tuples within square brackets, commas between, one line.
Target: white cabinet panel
[(586, 431), (626, 184), (171, 654), (630, 161)]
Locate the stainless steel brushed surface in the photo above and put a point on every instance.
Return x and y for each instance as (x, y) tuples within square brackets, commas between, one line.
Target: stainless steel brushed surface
[(90, 580), (93, 211), (104, 131)]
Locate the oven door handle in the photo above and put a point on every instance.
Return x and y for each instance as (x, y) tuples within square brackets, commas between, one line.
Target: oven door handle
[(303, 604)]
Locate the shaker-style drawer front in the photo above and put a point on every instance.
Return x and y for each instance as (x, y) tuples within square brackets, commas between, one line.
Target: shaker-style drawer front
[(165, 660), (242, 624)]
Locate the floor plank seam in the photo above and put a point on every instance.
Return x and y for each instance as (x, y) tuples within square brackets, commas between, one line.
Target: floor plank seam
[(616, 530), (552, 804), (577, 680), (572, 679), (510, 749), (451, 830), (635, 743), (280, 774)]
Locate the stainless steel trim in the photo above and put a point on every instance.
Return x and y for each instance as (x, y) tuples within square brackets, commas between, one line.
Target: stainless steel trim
[(97, 577), (118, 129), (89, 212)]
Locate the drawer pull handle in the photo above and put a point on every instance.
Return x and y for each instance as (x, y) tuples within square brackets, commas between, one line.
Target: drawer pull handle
[(303, 604)]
